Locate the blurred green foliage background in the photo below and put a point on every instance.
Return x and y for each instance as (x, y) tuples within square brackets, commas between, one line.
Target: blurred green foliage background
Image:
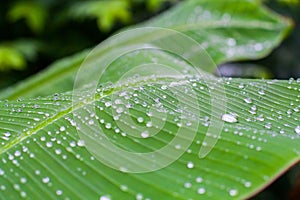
[(35, 33)]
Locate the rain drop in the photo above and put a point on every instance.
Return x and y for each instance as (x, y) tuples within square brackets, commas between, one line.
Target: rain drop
[(124, 187), (149, 124), (248, 184), (49, 144), (231, 42), (190, 165), (139, 196), (261, 92), (248, 100), (108, 126), (187, 185), (104, 198), (163, 87), (46, 180), (199, 180), (233, 192), (230, 118), (59, 192), (80, 143), (268, 125), (108, 104), (23, 180), (145, 134), (140, 119), (201, 190), (62, 128), (297, 130)]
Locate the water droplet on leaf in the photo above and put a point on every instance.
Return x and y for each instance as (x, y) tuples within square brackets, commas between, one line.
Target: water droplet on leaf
[(230, 118)]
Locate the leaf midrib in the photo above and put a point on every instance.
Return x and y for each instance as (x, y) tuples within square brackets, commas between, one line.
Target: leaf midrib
[(71, 108)]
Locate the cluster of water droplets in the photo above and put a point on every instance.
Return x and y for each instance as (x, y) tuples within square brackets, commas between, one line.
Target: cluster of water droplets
[(253, 98)]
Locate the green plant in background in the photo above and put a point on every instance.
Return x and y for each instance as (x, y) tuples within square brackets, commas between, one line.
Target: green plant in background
[(33, 13), (11, 58), (26, 28), (43, 157), (106, 12)]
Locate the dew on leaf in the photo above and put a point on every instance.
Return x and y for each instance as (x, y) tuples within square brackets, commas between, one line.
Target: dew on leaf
[(23, 194), (119, 110), (23, 180), (190, 165), (145, 134), (233, 192), (247, 184), (17, 153), (58, 151), (199, 179), (116, 117), (241, 86), (187, 185), (258, 47), (261, 92), (231, 42), (107, 104), (49, 144), (16, 187), (46, 180), (124, 187), (140, 119), (108, 125), (201, 190), (258, 148), (268, 125), (254, 108), (248, 100), (139, 196), (62, 128), (164, 87), (2, 187), (80, 143), (149, 124), (59, 192), (260, 118), (36, 119), (230, 118), (297, 130), (118, 101)]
